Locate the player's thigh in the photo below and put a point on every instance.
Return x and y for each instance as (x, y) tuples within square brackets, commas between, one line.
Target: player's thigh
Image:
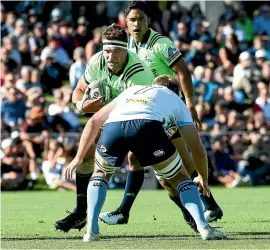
[(112, 145), (186, 156), (149, 142)]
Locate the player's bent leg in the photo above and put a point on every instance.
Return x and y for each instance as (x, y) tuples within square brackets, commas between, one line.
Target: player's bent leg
[(212, 211), (96, 195), (77, 218), (188, 193)]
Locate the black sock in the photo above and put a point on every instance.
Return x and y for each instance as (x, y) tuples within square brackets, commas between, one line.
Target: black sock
[(133, 185), (82, 181), (208, 202), (177, 201)]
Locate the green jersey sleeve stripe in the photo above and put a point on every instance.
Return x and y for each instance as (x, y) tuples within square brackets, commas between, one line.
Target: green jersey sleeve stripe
[(131, 68), (139, 70), (101, 62), (84, 78), (152, 38), (176, 60), (132, 72), (153, 43)]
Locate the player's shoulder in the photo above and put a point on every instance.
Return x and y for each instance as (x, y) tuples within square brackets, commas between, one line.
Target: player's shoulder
[(97, 60), (156, 40), (134, 66)]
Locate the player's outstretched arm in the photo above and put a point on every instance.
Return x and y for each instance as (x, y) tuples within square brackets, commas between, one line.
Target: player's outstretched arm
[(193, 141), (88, 137), (180, 68)]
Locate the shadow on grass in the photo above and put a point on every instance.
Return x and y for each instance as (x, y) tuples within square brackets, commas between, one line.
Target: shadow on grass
[(252, 236)]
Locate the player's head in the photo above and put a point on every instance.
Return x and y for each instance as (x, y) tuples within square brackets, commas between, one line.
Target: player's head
[(168, 81), (137, 19), (114, 40)]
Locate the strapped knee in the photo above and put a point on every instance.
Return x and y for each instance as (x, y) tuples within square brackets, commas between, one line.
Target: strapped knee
[(107, 169), (171, 170)]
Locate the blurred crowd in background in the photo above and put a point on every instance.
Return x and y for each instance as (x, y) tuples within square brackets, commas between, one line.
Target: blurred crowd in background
[(45, 47)]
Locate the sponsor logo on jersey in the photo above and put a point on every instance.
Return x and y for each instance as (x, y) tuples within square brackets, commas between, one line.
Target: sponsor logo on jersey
[(159, 153), (135, 100), (171, 51), (103, 149), (171, 131)]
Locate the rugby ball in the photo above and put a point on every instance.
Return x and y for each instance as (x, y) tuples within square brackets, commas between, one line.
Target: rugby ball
[(95, 89)]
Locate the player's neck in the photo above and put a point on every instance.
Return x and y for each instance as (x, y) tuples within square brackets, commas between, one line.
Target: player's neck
[(142, 39)]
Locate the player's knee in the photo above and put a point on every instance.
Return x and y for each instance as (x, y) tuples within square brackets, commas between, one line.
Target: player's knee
[(102, 166), (171, 169)]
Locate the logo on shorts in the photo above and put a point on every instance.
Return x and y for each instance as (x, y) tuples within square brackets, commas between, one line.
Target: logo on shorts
[(103, 149), (159, 153)]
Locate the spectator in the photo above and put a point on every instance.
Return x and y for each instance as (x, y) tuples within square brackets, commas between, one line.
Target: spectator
[(260, 57), (226, 167), (230, 53), (25, 52), (10, 64), (13, 109), (95, 45), (245, 23), (82, 35), (263, 100), (37, 41), (256, 163), (59, 53), (261, 23), (266, 72), (68, 42), (52, 73), (20, 29), (8, 43), (13, 170), (54, 169), (10, 22), (61, 108), (182, 40), (35, 130), (24, 83), (78, 67)]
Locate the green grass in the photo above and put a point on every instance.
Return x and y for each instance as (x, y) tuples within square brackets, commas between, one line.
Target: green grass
[(28, 217)]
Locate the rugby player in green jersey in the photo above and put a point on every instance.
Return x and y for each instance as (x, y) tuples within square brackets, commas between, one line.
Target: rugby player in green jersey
[(160, 54), (116, 69)]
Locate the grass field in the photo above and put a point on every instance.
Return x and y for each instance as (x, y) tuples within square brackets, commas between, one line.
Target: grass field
[(28, 217)]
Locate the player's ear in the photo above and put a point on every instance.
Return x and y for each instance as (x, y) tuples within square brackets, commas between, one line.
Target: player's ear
[(148, 20)]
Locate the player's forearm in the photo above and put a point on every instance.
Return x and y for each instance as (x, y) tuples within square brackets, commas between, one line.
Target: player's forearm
[(77, 95), (92, 106), (187, 87), (88, 137), (200, 160)]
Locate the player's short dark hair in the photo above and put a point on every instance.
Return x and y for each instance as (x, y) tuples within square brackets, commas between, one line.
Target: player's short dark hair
[(169, 82), (115, 32), (141, 5)]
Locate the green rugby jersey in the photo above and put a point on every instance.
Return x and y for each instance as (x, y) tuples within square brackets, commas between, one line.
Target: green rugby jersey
[(157, 51), (135, 72)]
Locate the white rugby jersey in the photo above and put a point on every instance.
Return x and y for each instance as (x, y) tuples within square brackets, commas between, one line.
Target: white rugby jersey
[(153, 103)]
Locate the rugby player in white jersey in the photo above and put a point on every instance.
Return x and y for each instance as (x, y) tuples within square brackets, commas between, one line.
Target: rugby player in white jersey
[(132, 122)]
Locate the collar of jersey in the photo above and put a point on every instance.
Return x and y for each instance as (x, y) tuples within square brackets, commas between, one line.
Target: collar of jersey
[(144, 40)]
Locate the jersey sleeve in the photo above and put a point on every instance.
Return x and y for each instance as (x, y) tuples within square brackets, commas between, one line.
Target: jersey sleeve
[(165, 49), (92, 69), (142, 77)]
